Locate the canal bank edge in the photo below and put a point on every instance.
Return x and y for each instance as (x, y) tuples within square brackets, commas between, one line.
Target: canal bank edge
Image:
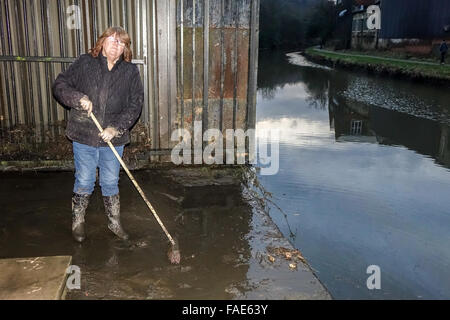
[(275, 285), (417, 71)]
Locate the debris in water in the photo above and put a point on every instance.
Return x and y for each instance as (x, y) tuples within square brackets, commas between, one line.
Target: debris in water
[(171, 197), (271, 258), (288, 254), (300, 257), (293, 265), (186, 269), (140, 244), (184, 286)]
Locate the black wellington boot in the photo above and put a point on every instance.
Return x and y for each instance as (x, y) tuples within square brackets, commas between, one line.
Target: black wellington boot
[(79, 204), (112, 209)]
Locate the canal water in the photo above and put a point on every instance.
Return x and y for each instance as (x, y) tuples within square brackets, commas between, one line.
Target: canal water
[(363, 178)]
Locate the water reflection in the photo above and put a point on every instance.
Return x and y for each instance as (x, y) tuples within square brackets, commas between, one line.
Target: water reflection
[(351, 116), (361, 182), (358, 122)]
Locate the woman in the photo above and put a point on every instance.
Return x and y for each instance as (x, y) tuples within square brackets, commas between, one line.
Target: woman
[(106, 83)]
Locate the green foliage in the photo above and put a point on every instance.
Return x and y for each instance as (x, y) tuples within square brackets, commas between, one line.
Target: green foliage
[(413, 69), (321, 21), (282, 23)]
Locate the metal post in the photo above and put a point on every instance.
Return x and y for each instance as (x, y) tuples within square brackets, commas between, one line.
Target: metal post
[(205, 65)]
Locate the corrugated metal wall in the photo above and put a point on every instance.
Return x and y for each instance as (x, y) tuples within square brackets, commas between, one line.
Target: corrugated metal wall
[(414, 19), (189, 72)]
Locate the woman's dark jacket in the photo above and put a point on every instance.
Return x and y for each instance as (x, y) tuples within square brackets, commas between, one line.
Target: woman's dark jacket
[(117, 97)]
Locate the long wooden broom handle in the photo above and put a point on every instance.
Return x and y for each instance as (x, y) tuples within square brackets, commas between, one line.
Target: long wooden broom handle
[(149, 205)]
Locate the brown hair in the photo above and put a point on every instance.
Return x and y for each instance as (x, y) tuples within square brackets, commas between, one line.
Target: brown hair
[(123, 36)]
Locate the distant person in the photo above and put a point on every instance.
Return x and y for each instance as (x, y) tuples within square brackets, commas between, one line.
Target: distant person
[(443, 49)]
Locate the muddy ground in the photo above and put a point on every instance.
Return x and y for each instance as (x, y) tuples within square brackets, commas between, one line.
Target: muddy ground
[(230, 248)]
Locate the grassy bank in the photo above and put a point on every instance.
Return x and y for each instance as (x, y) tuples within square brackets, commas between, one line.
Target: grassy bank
[(421, 70), (396, 55)]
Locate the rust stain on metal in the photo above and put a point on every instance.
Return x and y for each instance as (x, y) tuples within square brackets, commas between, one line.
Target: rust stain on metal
[(227, 114), (229, 36), (215, 63), (242, 64), (187, 59), (198, 86)]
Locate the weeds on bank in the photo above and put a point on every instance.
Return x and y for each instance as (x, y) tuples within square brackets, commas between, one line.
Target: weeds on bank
[(256, 192), (28, 143)]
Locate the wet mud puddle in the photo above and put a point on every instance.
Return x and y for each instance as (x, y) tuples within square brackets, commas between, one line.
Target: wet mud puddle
[(225, 241)]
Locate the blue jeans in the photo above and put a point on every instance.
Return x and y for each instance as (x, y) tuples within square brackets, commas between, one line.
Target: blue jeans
[(87, 159)]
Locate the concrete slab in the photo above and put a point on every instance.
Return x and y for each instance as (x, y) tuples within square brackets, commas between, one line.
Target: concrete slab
[(36, 278)]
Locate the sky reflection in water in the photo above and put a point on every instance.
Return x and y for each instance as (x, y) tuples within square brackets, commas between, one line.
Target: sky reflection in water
[(361, 184)]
